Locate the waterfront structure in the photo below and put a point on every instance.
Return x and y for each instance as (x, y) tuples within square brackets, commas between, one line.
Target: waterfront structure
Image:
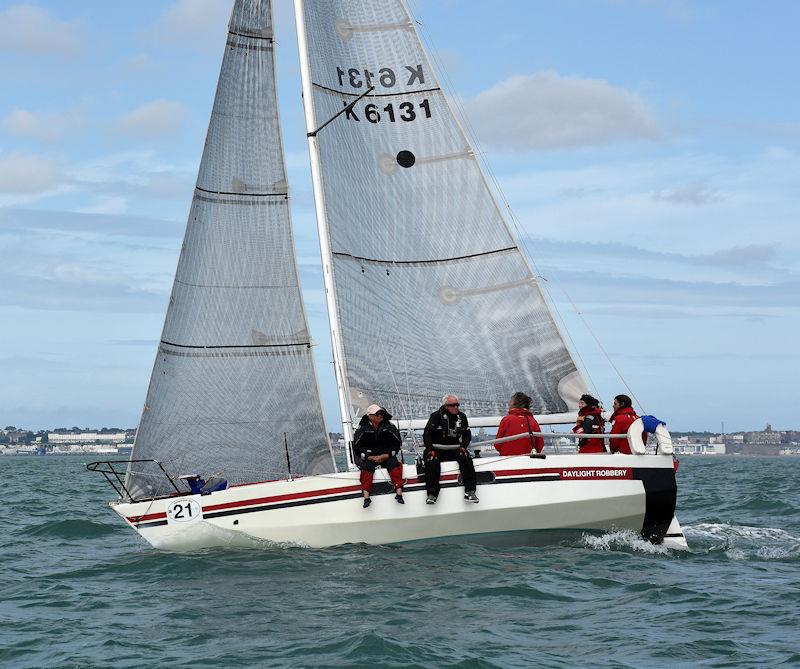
[(86, 437)]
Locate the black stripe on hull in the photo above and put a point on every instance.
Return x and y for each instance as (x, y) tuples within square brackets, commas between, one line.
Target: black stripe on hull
[(656, 483), (661, 494)]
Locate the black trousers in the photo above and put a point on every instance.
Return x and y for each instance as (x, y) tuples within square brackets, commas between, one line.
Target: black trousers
[(433, 459)]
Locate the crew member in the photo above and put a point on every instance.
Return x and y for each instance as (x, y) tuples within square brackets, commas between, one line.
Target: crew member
[(622, 418), (590, 421), (519, 421), (376, 443), (446, 438)]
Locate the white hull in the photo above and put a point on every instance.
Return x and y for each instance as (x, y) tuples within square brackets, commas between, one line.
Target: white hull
[(519, 494)]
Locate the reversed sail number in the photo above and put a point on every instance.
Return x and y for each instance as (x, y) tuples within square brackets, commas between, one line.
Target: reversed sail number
[(186, 510), (385, 76), (405, 111)]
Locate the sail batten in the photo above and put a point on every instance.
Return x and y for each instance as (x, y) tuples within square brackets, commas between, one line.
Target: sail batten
[(387, 261), (431, 291), (234, 378)]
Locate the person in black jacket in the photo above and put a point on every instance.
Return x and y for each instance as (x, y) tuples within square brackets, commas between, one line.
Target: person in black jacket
[(446, 438), (376, 443)]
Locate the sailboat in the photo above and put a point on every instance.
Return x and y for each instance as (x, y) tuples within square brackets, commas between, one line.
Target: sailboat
[(427, 291)]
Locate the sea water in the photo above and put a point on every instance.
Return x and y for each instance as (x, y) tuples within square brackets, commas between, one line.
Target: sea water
[(79, 589)]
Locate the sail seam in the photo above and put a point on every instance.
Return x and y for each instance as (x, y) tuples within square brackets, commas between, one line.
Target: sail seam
[(300, 351), (225, 346), (424, 262), (254, 203), (248, 35), (226, 285), (379, 95), (251, 47), (223, 192)]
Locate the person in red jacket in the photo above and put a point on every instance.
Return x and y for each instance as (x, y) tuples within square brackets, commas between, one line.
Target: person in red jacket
[(621, 420), (519, 421), (590, 421)]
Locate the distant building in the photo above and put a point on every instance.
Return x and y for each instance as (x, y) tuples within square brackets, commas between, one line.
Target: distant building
[(699, 447), (767, 436), (86, 438)]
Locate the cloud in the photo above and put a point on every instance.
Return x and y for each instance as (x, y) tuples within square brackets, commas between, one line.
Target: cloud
[(159, 117), (628, 292), (82, 262), (546, 110), (112, 204), (30, 29), (750, 197), (42, 126), (41, 224), (610, 253), (22, 173), (696, 194), (742, 255), (133, 342), (615, 278), (198, 24)]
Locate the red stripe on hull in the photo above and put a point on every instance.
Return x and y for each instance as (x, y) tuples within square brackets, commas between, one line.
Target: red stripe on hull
[(566, 474), (252, 502)]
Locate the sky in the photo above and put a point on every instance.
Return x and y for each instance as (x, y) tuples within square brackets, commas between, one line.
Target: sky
[(648, 149)]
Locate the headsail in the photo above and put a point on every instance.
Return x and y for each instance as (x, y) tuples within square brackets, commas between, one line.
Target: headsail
[(432, 293), (235, 370)]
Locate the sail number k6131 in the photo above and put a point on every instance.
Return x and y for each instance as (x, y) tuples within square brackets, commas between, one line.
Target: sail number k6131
[(385, 77), (403, 111)]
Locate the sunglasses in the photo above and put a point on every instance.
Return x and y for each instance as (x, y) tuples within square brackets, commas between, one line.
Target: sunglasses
[(452, 405)]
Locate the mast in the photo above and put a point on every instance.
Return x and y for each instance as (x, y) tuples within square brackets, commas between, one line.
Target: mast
[(342, 386)]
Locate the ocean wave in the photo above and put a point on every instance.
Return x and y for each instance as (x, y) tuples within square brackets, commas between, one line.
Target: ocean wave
[(73, 528), (518, 591), (202, 534), (622, 540), (745, 542)]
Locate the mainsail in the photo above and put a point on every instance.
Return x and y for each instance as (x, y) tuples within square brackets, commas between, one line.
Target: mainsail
[(432, 294), (234, 378)]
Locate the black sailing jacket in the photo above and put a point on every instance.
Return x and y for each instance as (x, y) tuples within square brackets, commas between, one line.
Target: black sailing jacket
[(447, 429), (369, 441)]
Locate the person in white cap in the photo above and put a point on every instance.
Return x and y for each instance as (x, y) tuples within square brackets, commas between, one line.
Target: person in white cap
[(376, 443)]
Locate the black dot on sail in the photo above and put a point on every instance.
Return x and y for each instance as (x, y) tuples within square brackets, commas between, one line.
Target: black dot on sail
[(406, 159)]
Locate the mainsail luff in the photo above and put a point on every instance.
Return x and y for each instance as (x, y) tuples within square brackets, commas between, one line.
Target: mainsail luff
[(235, 371), (430, 287), (339, 362)]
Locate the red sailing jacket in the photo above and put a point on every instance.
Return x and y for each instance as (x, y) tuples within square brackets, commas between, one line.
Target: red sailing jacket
[(621, 420), (590, 421), (518, 421)]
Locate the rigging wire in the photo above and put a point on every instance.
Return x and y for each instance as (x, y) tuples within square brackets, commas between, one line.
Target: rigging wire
[(602, 348), (458, 108), (408, 394), (406, 410)]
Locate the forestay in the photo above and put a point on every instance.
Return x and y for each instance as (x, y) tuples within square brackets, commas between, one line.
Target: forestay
[(432, 292), (234, 370)]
